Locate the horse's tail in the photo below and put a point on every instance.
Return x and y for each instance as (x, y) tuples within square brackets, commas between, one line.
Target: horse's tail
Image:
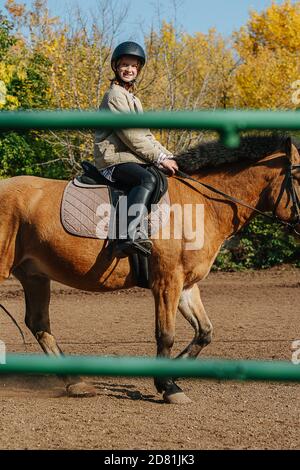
[(6, 246), (15, 323)]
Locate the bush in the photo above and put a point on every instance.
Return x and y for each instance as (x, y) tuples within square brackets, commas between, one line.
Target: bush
[(29, 154), (262, 244)]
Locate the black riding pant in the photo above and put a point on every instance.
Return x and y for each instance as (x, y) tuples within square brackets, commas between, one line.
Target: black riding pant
[(134, 174), (141, 184)]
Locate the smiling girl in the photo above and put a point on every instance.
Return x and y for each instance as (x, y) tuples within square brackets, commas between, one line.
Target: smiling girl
[(121, 154)]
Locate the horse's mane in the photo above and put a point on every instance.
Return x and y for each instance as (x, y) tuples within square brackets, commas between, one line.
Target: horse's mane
[(212, 154)]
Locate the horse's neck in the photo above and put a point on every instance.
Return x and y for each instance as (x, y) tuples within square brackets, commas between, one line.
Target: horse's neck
[(244, 182)]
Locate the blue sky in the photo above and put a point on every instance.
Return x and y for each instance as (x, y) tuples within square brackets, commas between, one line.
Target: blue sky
[(192, 15)]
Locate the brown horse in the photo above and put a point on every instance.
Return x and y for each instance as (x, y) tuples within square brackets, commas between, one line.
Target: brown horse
[(35, 248)]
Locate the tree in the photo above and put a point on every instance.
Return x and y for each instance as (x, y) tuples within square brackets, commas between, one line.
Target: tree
[(7, 40), (186, 72), (269, 47), (76, 58), (24, 74)]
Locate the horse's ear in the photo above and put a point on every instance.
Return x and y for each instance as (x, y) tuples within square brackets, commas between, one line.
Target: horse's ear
[(291, 151)]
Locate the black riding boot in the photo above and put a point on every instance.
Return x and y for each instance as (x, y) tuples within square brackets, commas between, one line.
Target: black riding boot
[(135, 238)]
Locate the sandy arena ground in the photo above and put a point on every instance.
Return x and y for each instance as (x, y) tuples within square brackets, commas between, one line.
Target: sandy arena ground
[(255, 315)]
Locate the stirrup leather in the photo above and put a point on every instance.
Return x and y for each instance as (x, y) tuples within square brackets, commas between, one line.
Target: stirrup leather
[(128, 247)]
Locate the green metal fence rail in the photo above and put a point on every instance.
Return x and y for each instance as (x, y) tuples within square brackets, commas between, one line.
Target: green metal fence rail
[(228, 123), (150, 367)]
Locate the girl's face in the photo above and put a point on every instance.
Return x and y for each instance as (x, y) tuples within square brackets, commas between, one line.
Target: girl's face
[(128, 68)]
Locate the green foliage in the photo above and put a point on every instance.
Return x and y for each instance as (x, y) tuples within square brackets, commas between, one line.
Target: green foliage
[(29, 154), (27, 81), (6, 37), (32, 89), (262, 244)]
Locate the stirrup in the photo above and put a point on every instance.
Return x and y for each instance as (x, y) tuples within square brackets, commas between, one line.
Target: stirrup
[(128, 247)]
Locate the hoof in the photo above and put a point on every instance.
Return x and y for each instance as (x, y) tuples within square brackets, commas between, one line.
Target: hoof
[(177, 398), (81, 390)]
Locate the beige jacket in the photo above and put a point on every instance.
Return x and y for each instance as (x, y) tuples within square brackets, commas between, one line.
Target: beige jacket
[(124, 145)]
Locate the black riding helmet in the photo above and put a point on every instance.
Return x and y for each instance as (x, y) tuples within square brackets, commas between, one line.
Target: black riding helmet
[(128, 48)]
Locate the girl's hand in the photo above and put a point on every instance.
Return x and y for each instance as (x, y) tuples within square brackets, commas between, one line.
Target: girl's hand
[(169, 165)]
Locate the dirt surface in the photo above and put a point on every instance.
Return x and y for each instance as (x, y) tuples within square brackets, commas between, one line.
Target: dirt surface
[(255, 315)]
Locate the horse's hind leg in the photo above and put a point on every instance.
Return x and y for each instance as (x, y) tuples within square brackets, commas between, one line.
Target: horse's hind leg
[(191, 307), (37, 299)]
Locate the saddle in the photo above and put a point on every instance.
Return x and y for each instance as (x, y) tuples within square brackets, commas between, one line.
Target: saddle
[(89, 192)]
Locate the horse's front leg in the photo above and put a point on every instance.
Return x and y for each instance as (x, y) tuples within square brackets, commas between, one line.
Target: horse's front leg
[(166, 294)]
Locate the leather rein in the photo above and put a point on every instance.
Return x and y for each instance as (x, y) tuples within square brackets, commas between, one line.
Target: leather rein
[(288, 186)]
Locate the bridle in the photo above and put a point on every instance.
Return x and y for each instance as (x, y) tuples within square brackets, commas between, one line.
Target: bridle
[(287, 186)]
